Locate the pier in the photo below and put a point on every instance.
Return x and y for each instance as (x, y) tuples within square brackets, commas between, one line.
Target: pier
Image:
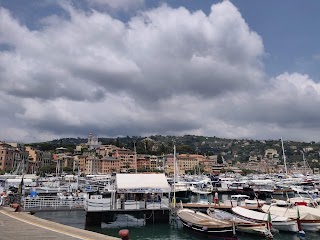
[(22, 226), (100, 210), (141, 195)]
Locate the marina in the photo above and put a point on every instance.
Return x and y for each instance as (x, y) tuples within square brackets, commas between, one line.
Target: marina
[(150, 203), (159, 120), (224, 206)]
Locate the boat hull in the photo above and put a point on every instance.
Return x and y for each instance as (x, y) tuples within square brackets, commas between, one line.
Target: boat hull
[(289, 226), (262, 231), (309, 225), (211, 232)]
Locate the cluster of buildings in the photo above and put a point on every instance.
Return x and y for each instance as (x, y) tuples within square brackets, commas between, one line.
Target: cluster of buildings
[(17, 158), (271, 163), (94, 158)]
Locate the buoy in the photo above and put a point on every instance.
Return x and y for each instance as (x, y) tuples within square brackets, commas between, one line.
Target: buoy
[(124, 234)]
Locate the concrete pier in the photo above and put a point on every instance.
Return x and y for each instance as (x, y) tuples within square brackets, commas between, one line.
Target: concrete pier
[(24, 226)]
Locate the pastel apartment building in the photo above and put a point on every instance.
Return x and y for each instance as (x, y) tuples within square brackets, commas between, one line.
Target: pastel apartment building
[(13, 158)]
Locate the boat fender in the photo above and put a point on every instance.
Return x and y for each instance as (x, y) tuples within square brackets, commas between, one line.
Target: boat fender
[(189, 224), (301, 234)]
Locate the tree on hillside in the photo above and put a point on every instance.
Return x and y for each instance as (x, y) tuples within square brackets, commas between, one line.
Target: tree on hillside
[(184, 149)]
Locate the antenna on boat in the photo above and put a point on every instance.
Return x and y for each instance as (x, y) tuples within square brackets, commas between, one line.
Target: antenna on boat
[(284, 158)]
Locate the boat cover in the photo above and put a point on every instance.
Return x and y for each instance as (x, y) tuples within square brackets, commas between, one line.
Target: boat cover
[(200, 219), (259, 216), (306, 213)]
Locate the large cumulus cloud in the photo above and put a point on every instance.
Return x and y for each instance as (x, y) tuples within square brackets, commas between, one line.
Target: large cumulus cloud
[(165, 71)]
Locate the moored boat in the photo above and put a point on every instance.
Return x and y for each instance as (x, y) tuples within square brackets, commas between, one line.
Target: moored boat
[(242, 225), (278, 222), (205, 225), (309, 217), (243, 200)]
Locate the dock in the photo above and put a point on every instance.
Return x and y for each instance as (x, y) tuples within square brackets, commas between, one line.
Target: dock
[(23, 226)]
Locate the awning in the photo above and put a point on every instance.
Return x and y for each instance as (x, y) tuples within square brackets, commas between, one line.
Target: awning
[(142, 183)]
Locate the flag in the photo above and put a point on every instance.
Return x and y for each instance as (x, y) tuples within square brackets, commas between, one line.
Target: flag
[(269, 222), (298, 213)]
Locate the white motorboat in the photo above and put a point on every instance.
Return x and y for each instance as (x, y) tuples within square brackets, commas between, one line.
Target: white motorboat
[(243, 200), (278, 222), (309, 217), (281, 203)]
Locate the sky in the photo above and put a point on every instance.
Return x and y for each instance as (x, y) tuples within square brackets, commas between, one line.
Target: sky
[(242, 69)]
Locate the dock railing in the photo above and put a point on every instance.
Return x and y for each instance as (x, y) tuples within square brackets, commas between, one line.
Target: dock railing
[(51, 203), (105, 204)]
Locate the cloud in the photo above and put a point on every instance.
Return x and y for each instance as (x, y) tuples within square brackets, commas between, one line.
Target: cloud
[(316, 57), (164, 71), (125, 5)]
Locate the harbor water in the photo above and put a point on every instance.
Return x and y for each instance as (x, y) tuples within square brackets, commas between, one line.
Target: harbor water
[(158, 231), (138, 229)]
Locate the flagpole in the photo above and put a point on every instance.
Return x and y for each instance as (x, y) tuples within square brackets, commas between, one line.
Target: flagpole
[(302, 234)]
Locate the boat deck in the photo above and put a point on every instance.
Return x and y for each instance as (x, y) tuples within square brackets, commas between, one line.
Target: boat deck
[(202, 219)]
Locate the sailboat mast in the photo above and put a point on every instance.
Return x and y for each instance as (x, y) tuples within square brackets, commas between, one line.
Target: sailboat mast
[(135, 156), (304, 163), (284, 158), (174, 175)]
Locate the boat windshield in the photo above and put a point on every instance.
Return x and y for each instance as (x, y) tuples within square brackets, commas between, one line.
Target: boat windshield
[(239, 197)]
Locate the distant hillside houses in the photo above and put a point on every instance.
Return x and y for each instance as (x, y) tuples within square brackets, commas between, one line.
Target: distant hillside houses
[(196, 154), (271, 153)]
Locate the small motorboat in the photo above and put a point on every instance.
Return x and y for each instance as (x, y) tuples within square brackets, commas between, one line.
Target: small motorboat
[(242, 225), (205, 225), (278, 222), (309, 217)]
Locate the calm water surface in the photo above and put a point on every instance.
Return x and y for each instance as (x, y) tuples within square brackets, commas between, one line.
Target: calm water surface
[(148, 232), (151, 231)]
